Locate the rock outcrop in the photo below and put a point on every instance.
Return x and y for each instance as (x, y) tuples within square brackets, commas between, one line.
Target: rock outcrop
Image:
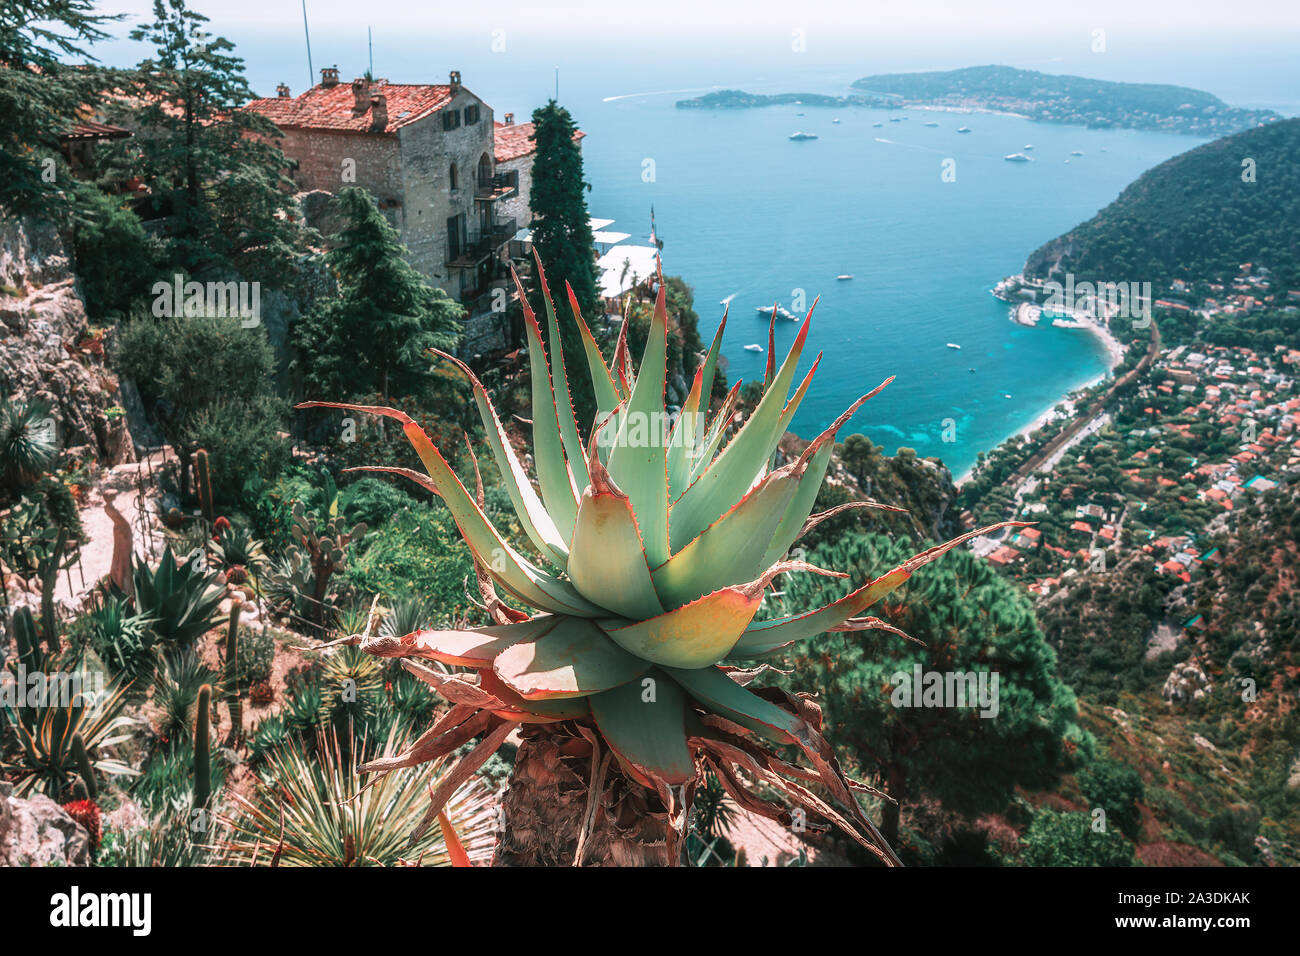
[(38, 832), (46, 349)]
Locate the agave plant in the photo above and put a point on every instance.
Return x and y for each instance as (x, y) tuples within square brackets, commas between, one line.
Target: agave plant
[(238, 553), (662, 534), (183, 600)]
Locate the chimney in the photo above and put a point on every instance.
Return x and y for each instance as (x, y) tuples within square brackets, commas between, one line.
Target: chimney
[(378, 112), (329, 76), (360, 94), (455, 81), (282, 91), (510, 119)]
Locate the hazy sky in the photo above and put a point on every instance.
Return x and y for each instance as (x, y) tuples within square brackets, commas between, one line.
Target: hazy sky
[(749, 16)]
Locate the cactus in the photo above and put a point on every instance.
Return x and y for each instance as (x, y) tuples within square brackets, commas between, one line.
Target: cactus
[(49, 569), (203, 484), (232, 674), (84, 766), (325, 545), (24, 628), (202, 748)]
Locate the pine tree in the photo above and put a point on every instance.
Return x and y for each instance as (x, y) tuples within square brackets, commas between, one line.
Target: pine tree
[(561, 230), (41, 95), (971, 620), (213, 168), (375, 337)]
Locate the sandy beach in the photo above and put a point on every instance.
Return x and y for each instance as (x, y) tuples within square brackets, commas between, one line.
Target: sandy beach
[(1114, 355)]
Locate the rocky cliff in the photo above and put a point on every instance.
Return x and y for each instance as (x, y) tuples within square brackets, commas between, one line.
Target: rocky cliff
[(48, 350)]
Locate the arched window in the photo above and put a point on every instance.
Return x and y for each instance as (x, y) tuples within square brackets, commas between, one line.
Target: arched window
[(453, 178), (484, 170)]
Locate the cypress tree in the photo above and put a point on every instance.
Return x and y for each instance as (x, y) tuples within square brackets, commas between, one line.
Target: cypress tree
[(561, 229)]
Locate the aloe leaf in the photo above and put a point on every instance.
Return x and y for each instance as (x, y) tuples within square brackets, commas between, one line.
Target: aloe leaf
[(638, 461), (713, 492), (717, 692), (818, 456), (702, 632), (533, 516), (531, 711), (644, 723), (602, 382), (574, 659), (767, 636), (507, 566), (725, 553), (607, 563), (558, 488), (560, 386), (716, 433), (476, 647)]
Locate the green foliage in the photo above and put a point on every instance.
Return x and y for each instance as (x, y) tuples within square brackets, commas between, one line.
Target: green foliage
[(417, 551), (372, 501), (181, 600), (44, 90), (1068, 839), (208, 383), (971, 620), (214, 169), (116, 260), (235, 547), (1116, 789), (1194, 217), (176, 688), (376, 335), (122, 640), (407, 615)]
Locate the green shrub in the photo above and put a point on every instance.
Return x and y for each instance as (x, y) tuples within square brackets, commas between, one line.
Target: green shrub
[(116, 260), (1116, 789), (1068, 839)]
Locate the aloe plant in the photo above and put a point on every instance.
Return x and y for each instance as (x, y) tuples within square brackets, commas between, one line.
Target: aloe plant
[(661, 541), (182, 600)]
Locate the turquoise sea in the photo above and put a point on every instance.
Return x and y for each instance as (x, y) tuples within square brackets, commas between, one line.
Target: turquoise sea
[(747, 214)]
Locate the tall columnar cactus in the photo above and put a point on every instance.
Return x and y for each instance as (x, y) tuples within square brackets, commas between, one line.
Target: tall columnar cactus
[(325, 543), (24, 627), (663, 535), (84, 767), (203, 484), (202, 748), (232, 673), (49, 570)]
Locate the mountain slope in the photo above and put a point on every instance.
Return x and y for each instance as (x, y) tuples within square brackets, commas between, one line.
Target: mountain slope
[(1193, 217)]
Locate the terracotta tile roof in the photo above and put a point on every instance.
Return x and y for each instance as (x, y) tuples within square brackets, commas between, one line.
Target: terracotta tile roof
[(331, 107), (88, 129), (515, 140)]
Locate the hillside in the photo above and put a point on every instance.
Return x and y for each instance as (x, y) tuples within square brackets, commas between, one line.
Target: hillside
[(1194, 217), (1070, 99)]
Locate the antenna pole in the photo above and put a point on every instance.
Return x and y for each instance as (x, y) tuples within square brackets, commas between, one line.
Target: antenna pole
[(370, 45), (311, 71)]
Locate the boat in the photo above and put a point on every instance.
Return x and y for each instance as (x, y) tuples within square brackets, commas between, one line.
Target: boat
[(1006, 394), (798, 114), (877, 124), (972, 368), (1029, 145), (1017, 158), (802, 136), (781, 312), (954, 345), (844, 278), (895, 119), (932, 123), (835, 120), (963, 129), (1067, 162), (1076, 152), (753, 347)]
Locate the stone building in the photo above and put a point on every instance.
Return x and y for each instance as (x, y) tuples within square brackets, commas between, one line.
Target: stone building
[(514, 149), (427, 155)]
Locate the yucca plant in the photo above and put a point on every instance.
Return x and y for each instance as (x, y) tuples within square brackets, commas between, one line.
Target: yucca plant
[(28, 446), (313, 809), (662, 539)]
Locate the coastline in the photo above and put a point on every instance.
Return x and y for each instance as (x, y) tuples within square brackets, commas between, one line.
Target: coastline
[(1114, 355)]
